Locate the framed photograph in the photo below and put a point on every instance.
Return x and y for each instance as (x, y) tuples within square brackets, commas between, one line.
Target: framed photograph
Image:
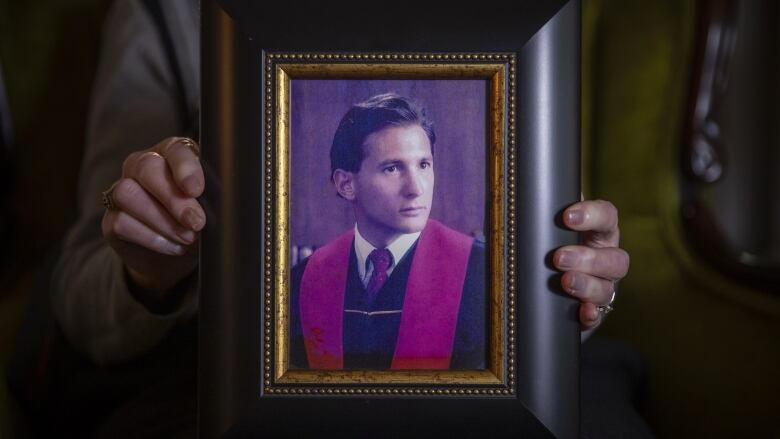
[(379, 226), (356, 152)]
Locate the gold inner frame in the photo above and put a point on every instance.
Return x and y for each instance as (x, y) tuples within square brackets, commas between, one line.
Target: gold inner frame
[(497, 74)]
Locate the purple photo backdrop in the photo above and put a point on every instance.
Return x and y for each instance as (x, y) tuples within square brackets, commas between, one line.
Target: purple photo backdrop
[(458, 109)]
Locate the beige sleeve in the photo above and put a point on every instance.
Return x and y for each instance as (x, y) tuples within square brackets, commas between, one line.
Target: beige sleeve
[(134, 106)]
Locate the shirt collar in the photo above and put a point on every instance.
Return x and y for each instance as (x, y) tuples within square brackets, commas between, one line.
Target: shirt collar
[(398, 249)]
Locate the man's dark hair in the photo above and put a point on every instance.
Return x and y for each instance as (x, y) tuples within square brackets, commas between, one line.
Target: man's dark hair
[(365, 118)]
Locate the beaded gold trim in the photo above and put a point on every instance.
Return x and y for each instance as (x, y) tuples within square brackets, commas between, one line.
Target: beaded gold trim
[(497, 68)]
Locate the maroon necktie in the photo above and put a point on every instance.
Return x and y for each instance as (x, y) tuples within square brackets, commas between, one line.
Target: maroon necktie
[(381, 259)]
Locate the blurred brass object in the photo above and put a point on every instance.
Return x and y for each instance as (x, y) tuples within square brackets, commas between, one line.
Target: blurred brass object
[(730, 188)]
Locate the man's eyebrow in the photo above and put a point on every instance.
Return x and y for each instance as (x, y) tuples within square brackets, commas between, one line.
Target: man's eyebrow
[(390, 162)]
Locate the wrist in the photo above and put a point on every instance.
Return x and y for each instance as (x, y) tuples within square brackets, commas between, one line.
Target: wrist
[(155, 297)]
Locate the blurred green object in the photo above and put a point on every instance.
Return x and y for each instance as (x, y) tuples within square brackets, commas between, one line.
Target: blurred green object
[(710, 344)]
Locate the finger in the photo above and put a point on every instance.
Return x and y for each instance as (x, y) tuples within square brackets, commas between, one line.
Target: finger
[(587, 288), (131, 198), (118, 225), (596, 216), (590, 317), (609, 263), (151, 171), (181, 153)]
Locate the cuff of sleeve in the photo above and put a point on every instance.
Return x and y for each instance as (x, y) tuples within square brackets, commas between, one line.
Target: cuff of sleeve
[(132, 328), (180, 303)]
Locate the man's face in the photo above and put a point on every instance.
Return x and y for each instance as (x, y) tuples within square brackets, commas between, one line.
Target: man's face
[(393, 190)]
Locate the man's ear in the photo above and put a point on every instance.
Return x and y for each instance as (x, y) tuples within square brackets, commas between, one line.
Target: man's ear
[(345, 183)]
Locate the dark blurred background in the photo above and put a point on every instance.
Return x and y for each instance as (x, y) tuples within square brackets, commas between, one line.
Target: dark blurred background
[(680, 131), (48, 54)]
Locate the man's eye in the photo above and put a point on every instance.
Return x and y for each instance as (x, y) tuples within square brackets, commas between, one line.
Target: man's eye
[(390, 169), (425, 165)]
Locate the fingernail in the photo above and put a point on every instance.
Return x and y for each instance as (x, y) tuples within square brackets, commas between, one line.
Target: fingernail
[(567, 259), (169, 247), (192, 186), (576, 284), (187, 236), (177, 249), (193, 219), (576, 217)]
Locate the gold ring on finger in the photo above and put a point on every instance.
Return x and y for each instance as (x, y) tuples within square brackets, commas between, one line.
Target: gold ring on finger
[(189, 143), (606, 309), (108, 197)]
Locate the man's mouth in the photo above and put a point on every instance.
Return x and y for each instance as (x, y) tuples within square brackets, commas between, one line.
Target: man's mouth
[(413, 211)]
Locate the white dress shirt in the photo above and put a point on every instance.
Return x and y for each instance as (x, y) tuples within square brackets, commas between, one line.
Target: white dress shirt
[(363, 248)]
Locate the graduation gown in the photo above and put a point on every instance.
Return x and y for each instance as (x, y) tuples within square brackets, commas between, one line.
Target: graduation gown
[(430, 314)]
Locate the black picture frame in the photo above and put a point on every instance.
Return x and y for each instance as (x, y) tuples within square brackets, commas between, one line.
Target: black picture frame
[(237, 38)]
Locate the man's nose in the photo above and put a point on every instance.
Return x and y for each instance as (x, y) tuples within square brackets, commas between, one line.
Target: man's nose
[(415, 185)]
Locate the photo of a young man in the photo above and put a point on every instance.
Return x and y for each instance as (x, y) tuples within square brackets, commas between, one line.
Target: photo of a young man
[(398, 289)]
